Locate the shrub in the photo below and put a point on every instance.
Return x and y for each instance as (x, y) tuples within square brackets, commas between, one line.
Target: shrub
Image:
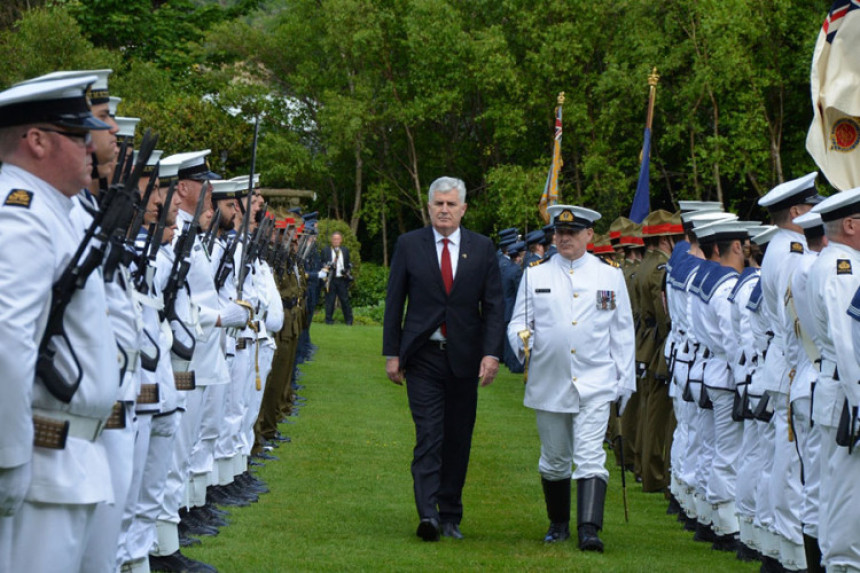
[(370, 285)]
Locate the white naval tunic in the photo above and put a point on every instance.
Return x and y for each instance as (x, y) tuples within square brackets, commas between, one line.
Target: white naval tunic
[(64, 485), (582, 333)]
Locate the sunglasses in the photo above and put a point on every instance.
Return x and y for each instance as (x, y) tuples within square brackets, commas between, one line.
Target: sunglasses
[(82, 136)]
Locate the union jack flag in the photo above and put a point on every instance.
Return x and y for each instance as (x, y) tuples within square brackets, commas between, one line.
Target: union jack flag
[(550, 188), (837, 13)]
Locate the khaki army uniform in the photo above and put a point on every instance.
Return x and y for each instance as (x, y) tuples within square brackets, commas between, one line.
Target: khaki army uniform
[(277, 396), (656, 416)]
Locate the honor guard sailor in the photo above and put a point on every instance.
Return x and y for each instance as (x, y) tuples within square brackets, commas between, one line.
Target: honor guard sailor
[(53, 469), (833, 280), (575, 313), (782, 498)]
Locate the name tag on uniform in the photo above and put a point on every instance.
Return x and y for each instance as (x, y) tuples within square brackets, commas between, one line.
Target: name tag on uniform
[(541, 290), (606, 300)]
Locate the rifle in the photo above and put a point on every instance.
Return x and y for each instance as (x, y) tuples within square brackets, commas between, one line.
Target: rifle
[(178, 274), (122, 245), (212, 233), (246, 219), (112, 217)]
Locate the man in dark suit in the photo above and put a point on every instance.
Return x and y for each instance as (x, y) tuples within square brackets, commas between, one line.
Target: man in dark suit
[(448, 344), (335, 259)]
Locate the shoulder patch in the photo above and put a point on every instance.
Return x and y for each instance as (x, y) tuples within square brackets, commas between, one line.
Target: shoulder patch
[(796, 247), (843, 267), (536, 263), (19, 198), (610, 262)]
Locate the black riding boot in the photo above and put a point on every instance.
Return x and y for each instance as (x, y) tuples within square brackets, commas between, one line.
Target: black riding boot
[(557, 496), (590, 496)]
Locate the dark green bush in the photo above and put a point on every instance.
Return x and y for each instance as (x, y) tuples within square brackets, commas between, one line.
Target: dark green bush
[(369, 286)]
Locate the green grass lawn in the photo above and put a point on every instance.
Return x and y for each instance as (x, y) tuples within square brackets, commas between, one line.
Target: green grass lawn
[(342, 493)]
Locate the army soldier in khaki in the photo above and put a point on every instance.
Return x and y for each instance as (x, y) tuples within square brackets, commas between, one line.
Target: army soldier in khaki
[(656, 416), (278, 392)]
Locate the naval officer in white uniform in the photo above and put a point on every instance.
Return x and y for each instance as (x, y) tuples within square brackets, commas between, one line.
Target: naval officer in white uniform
[(574, 312)]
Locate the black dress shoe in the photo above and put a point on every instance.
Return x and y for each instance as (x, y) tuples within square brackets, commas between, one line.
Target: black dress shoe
[(674, 507), (282, 438), (588, 539), (451, 529), (704, 533), (196, 528), (236, 489), (690, 524), (265, 456), (746, 553), (178, 562), (187, 540), (428, 529), (218, 496), (253, 484), (200, 515), (725, 543), (557, 532)]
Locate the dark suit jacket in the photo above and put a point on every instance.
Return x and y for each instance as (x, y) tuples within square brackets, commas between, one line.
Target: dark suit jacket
[(327, 255), (473, 311)]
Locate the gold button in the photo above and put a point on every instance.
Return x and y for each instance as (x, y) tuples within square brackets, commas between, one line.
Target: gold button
[(570, 271), (573, 323), (576, 295), (574, 378), (573, 350)]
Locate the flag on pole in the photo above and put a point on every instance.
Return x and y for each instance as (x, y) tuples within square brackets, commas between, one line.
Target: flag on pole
[(642, 199), (834, 135), (550, 189)]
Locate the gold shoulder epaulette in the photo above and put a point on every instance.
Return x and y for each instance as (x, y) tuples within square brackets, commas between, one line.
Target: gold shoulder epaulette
[(536, 263), (611, 263)]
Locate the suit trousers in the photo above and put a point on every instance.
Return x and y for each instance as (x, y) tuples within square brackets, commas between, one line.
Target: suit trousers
[(443, 410), (340, 289)]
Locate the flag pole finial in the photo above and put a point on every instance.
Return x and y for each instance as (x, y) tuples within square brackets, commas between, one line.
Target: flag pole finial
[(653, 77), (560, 98)]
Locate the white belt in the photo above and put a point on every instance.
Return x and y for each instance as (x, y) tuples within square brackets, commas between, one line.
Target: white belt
[(146, 300), (79, 426), (132, 359)]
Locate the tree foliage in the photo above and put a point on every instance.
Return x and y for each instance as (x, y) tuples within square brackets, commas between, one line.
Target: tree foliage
[(367, 101)]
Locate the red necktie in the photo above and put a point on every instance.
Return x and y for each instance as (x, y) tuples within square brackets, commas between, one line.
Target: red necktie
[(447, 275)]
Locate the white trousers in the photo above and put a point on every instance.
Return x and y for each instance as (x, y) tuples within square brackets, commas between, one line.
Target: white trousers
[(255, 401), (100, 554), (186, 436), (809, 441), (141, 446), (141, 534), (573, 439), (48, 538), (785, 487), (728, 438), (839, 518)]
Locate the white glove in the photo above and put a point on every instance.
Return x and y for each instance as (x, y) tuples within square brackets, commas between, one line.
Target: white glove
[(14, 483), (322, 274), (621, 401)]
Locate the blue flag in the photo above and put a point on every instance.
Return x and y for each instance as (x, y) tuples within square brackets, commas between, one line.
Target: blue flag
[(642, 200)]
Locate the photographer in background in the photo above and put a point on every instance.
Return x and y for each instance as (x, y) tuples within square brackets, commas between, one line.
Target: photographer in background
[(337, 275)]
